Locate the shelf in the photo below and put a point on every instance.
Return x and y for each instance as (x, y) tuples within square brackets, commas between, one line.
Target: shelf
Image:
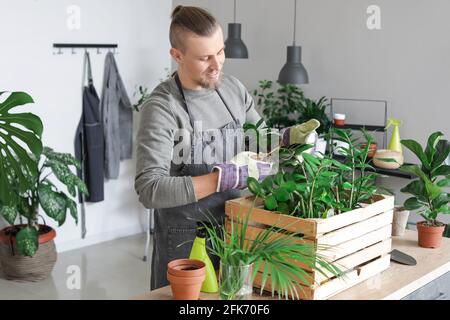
[(388, 172), (359, 126)]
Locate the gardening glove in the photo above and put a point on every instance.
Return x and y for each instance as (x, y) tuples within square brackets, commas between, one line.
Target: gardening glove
[(304, 133), (233, 175)]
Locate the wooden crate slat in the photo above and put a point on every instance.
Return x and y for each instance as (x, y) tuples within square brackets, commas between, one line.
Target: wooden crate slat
[(357, 229), (385, 203), (235, 209), (339, 284), (355, 259), (354, 245)]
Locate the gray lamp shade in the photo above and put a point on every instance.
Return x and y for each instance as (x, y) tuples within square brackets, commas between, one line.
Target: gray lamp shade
[(234, 46), (293, 71)]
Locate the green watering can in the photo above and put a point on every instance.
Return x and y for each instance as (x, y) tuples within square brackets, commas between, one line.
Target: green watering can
[(394, 143)]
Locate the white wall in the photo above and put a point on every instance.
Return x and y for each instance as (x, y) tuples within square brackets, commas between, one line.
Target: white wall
[(28, 63), (407, 62)]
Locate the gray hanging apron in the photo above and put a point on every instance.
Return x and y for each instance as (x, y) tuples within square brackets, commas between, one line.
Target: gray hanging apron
[(177, 225)]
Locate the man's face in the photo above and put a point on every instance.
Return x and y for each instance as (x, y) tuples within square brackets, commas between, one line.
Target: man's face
[(203, 58)]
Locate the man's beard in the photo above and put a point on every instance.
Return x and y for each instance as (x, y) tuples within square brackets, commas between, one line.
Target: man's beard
[(210, 84)]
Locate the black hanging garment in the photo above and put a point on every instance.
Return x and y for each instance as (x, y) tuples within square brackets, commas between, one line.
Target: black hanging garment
[(89, 143)]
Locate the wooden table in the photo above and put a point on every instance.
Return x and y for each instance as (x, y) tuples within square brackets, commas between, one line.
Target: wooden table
[(394, 283)]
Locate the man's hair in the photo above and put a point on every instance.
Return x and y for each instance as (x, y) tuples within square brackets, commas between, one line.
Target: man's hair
[(190, 19)]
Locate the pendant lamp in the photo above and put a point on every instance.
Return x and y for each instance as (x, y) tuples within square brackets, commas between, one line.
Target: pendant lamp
[(234, 46), (293, 72)]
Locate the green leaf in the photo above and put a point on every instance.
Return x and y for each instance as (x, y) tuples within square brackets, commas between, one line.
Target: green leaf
[(443, 170), (270, 203), (9, 213), (17, 166), (254, 187), (416, 188), (417, 150), (27, 241), (283, 208), (281, 194), (267, 183), (53, 203), (443, 183), (442, 152), (66, 176), (347, 185), (72, 206), (430, 150), (289, 185), (412, 204), (279, 179)]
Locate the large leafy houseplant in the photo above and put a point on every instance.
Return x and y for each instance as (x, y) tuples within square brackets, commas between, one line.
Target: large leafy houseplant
[(433, 176), (20, 144), (43, 192), (273, 249)]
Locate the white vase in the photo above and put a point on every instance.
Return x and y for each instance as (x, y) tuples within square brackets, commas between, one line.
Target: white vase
[(400, 220)]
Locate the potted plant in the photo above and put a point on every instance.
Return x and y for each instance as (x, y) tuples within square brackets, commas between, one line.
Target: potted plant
[(311, 109), (280, 107), (27, 250), (271, 250), (427, 191)]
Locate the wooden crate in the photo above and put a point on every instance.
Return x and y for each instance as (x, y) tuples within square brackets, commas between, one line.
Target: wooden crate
[(358, 241)]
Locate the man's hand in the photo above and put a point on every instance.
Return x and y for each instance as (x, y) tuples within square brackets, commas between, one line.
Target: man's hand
[(233, 175)]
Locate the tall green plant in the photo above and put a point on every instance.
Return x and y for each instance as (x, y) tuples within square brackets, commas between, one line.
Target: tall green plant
[(273, 249), (20, 145), (428, 195), (280, 107), (41, 191)]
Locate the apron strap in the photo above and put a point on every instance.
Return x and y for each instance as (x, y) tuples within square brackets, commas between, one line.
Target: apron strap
[(87, 68)]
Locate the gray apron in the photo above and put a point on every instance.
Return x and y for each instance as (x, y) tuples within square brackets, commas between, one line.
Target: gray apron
[(177, 225)]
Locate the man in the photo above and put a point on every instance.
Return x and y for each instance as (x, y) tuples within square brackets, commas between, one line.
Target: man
[(211, 107)]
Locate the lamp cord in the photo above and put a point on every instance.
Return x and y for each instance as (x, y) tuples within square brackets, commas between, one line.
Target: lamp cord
[(234, 11), (295, 19)]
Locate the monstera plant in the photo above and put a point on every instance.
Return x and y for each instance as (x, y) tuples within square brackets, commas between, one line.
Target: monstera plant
[(18, 165)]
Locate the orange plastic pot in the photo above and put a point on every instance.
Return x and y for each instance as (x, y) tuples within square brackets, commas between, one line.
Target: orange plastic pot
[(46, 234)]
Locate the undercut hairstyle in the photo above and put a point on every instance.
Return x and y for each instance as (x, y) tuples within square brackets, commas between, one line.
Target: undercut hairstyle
[(190, 19)]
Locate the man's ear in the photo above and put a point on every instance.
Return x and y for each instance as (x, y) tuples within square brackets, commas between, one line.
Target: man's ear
[(176, 55)]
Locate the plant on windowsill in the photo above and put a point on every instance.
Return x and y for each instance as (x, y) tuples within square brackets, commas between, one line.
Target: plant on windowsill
[(428, 196), (27, 250)]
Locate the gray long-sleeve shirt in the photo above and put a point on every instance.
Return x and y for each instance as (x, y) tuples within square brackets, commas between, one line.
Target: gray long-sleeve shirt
[(161, 116)]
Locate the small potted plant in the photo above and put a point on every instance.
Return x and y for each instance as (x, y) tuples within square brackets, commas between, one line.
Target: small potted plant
[(428, 196)]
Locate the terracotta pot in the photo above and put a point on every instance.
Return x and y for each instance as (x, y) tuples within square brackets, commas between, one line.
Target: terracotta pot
[(48, 234), (186, 268), (400, 221), (429, 236), (186, 277), (24, 269), (372, 149)]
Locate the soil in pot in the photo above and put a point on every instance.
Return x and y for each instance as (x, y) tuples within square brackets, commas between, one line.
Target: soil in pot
[(430, 235)]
